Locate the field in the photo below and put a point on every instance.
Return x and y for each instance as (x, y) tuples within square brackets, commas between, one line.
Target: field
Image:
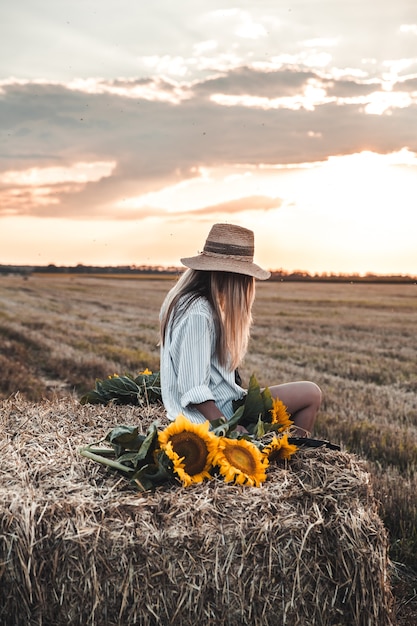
[(357, 342)]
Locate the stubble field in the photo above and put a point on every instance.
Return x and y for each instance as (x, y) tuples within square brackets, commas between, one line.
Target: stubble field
[(356, 341)]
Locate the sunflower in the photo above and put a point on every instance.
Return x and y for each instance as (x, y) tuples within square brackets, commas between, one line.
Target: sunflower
[(190, 448), (240, 461), (178, 467), (280, 414), (279, 449)]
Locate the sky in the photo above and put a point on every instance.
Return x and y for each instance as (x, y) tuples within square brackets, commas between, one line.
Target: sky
[(128, 128)]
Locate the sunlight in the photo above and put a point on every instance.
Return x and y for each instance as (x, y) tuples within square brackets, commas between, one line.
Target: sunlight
[(346, 212), (353, 182), (352, 213), (77, 173)]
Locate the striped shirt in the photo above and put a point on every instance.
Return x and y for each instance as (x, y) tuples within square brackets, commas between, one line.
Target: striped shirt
[(190, 370)]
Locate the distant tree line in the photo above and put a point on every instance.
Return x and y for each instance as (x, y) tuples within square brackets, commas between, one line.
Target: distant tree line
[(276, 275), (27, 270), (326, 277)]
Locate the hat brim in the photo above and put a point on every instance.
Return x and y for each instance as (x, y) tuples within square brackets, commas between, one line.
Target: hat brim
[(222, 264)]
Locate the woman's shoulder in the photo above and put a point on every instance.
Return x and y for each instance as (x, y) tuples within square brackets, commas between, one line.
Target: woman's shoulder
[(195, 306), (190, 313)]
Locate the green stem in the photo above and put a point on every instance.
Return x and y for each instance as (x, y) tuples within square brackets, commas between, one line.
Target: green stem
[(105, 452), (109, 462)]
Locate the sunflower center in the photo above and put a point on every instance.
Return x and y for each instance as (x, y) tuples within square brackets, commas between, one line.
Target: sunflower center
[(241, 458), (275, 455), (193, 449)]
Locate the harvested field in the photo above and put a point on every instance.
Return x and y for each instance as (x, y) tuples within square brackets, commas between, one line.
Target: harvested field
[(357, 341), (79, 547)]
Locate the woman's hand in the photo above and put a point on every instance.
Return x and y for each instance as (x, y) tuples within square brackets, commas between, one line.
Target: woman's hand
[(209, 410)]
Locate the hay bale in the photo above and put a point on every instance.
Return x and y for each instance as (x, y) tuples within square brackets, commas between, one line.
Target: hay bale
[(78, 547)]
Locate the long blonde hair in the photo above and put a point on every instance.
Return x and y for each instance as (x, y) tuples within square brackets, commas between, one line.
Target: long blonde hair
[(231, 298)]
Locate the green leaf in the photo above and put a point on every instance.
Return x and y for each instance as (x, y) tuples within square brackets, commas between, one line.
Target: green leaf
[(254, 404), (145, 453), (142, 483), (128, 459), (92, 397), (221, 421), (268, 403), (122, 433), (119, 389), (127, 437), (149, 443), (236, 417), (221, 428), (150, 386), (234, 434), (260, 429), (121, 385), (272, 427), (163, 460), (150, 476), (125, 389)]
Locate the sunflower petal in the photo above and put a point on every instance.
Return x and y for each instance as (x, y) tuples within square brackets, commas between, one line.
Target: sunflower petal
[(240, 461)]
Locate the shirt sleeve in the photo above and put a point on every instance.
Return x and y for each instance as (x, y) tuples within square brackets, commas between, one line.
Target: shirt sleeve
[(194, 359)]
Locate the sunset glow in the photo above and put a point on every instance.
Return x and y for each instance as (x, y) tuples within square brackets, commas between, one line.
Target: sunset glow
[(297, 124)]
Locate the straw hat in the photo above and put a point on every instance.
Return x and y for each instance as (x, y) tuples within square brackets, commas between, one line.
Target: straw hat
[(228, 248)]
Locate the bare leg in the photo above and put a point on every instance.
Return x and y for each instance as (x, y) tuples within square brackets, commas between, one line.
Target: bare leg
[(303, 400)]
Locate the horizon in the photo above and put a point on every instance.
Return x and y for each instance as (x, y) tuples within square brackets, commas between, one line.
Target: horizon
[(180, 268), (130, 129)]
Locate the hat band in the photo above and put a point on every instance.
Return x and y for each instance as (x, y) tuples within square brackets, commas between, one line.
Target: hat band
[(229, 250), (235, 257)]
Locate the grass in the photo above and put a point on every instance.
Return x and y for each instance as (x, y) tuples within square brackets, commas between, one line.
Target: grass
[(356, 341), (61, 333)]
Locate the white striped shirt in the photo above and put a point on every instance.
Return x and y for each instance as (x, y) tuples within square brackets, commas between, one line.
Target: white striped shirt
[(190, 370)]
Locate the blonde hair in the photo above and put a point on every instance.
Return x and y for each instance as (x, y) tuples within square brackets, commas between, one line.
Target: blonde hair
[(231, 298)]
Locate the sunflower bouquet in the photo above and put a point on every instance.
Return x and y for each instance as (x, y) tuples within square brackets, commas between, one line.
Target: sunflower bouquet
[(145, 388), (191, 453)]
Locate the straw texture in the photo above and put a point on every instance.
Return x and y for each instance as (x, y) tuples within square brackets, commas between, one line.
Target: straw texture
[(78, 547)]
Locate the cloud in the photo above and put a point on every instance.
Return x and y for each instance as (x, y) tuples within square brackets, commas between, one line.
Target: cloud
[(30, 191), (250, 203), (249, 80), (153, 141), (408, 84), (230, 207), (41, 176), (344, 88)]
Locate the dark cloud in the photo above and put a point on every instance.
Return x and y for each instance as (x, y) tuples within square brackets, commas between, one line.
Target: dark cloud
[(160, 84), (157, 143), (245, 80), (283, 83), (349, 88), (140, 82), (408, 84)]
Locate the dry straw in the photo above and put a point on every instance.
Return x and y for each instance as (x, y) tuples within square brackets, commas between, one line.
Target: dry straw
[(77, 547)]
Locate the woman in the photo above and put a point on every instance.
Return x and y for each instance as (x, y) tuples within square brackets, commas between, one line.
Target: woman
[(205, 327)]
